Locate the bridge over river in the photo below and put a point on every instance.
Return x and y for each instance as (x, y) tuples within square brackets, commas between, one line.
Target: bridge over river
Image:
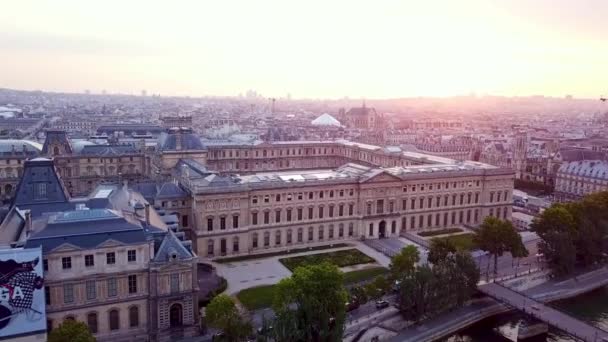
[(545, 313)]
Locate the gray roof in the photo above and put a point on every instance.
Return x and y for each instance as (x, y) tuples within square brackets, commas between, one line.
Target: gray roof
[(170, 190), (172, 246), (39, 185), (57, 137), (581, 154), (108, 150), (586, 168), (26, 147), (179, 140)]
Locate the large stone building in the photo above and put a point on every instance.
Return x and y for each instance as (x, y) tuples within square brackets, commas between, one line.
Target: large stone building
[(13, 154), (110, 260), (302, 193), (579, 178), (83, 165)]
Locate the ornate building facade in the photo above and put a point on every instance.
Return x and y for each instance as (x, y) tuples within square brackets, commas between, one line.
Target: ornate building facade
[(110, 260)]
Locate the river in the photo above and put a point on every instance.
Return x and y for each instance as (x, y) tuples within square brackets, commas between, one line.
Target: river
[(591, 307)]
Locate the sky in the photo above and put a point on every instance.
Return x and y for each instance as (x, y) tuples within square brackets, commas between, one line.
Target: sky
[(309, 49)]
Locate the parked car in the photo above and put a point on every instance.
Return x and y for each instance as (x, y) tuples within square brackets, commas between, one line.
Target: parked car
[(381, 304), (352, 305)]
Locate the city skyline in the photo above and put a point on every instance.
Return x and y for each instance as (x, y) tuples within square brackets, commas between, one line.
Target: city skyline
[(318, 50)]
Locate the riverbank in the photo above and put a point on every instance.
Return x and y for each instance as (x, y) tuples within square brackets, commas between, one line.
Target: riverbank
[(548, 291)]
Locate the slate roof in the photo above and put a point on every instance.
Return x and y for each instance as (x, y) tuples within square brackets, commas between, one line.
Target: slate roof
[(108, 150), (39, 184), (586, 168), (179, 140), (170, 190), (581, 154), (30, 148), (58, 137), (172, 246)]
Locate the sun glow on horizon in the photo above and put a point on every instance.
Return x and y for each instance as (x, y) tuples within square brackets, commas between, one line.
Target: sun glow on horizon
[(309, 49)]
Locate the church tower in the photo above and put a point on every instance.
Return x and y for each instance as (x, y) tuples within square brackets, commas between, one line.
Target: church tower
[(520, 153)]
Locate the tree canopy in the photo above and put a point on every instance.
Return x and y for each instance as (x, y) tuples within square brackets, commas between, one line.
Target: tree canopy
[(440, 249), (574, 233), (497, 237), (71, 331), (312, 303), (427, 291), (222, 313), (404, 262)]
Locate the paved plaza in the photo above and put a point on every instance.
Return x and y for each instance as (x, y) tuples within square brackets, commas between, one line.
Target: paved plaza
[(268, 270)]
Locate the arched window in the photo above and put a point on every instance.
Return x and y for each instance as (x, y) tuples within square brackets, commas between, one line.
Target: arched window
[(277, 238), (56, 150), (254, 240), (133, 316), (92, 322), (114, 319), (175, 315)]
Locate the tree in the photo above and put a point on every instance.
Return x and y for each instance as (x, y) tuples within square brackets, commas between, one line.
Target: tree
[(404, 262), (440, 249), (359, 293), (417, 293), (315, 295), (71, 331), (222, 313), (557, 229), (496, 237)]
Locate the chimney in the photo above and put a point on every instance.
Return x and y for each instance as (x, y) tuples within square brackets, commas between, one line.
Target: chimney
[(147, 213)]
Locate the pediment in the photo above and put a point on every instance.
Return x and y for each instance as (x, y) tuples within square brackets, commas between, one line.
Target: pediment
[(382, 177), (110, 243), (66, 247)]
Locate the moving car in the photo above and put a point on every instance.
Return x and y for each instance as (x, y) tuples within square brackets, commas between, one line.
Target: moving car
[(381, 304)]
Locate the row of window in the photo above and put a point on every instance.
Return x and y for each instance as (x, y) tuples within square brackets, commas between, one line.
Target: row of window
[(301, 195), (439, 186), (91, 290), (113, 320), (289, 238), (89, 260)]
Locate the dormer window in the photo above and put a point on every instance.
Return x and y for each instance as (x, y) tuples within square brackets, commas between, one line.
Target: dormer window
[(41, 191)]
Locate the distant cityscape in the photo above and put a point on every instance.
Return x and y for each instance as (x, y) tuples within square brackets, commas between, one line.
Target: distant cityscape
[(142, 206)]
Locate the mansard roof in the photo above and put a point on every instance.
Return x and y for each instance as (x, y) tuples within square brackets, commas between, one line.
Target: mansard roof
[(56, 137), (180, 140), (40, 186), (170, 190), (171, 248), (108, 150)]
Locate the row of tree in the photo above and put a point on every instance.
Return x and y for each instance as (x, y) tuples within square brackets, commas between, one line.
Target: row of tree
[(574, 234), (426, 290)]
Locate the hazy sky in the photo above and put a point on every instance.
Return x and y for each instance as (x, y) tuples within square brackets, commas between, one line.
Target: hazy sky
[(326, 48)]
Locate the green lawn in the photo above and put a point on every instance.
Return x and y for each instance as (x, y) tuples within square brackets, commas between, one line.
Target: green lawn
[(284, 252), (262, 296), (364, 274), (439, 232), (462, 242), (257, 297), (347, 257)]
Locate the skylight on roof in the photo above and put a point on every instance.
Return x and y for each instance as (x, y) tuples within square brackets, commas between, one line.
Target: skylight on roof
[(103, 193), (288, 178)]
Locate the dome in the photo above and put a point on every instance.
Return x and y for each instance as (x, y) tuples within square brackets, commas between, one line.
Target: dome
[(326, 120), (179, 140)]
